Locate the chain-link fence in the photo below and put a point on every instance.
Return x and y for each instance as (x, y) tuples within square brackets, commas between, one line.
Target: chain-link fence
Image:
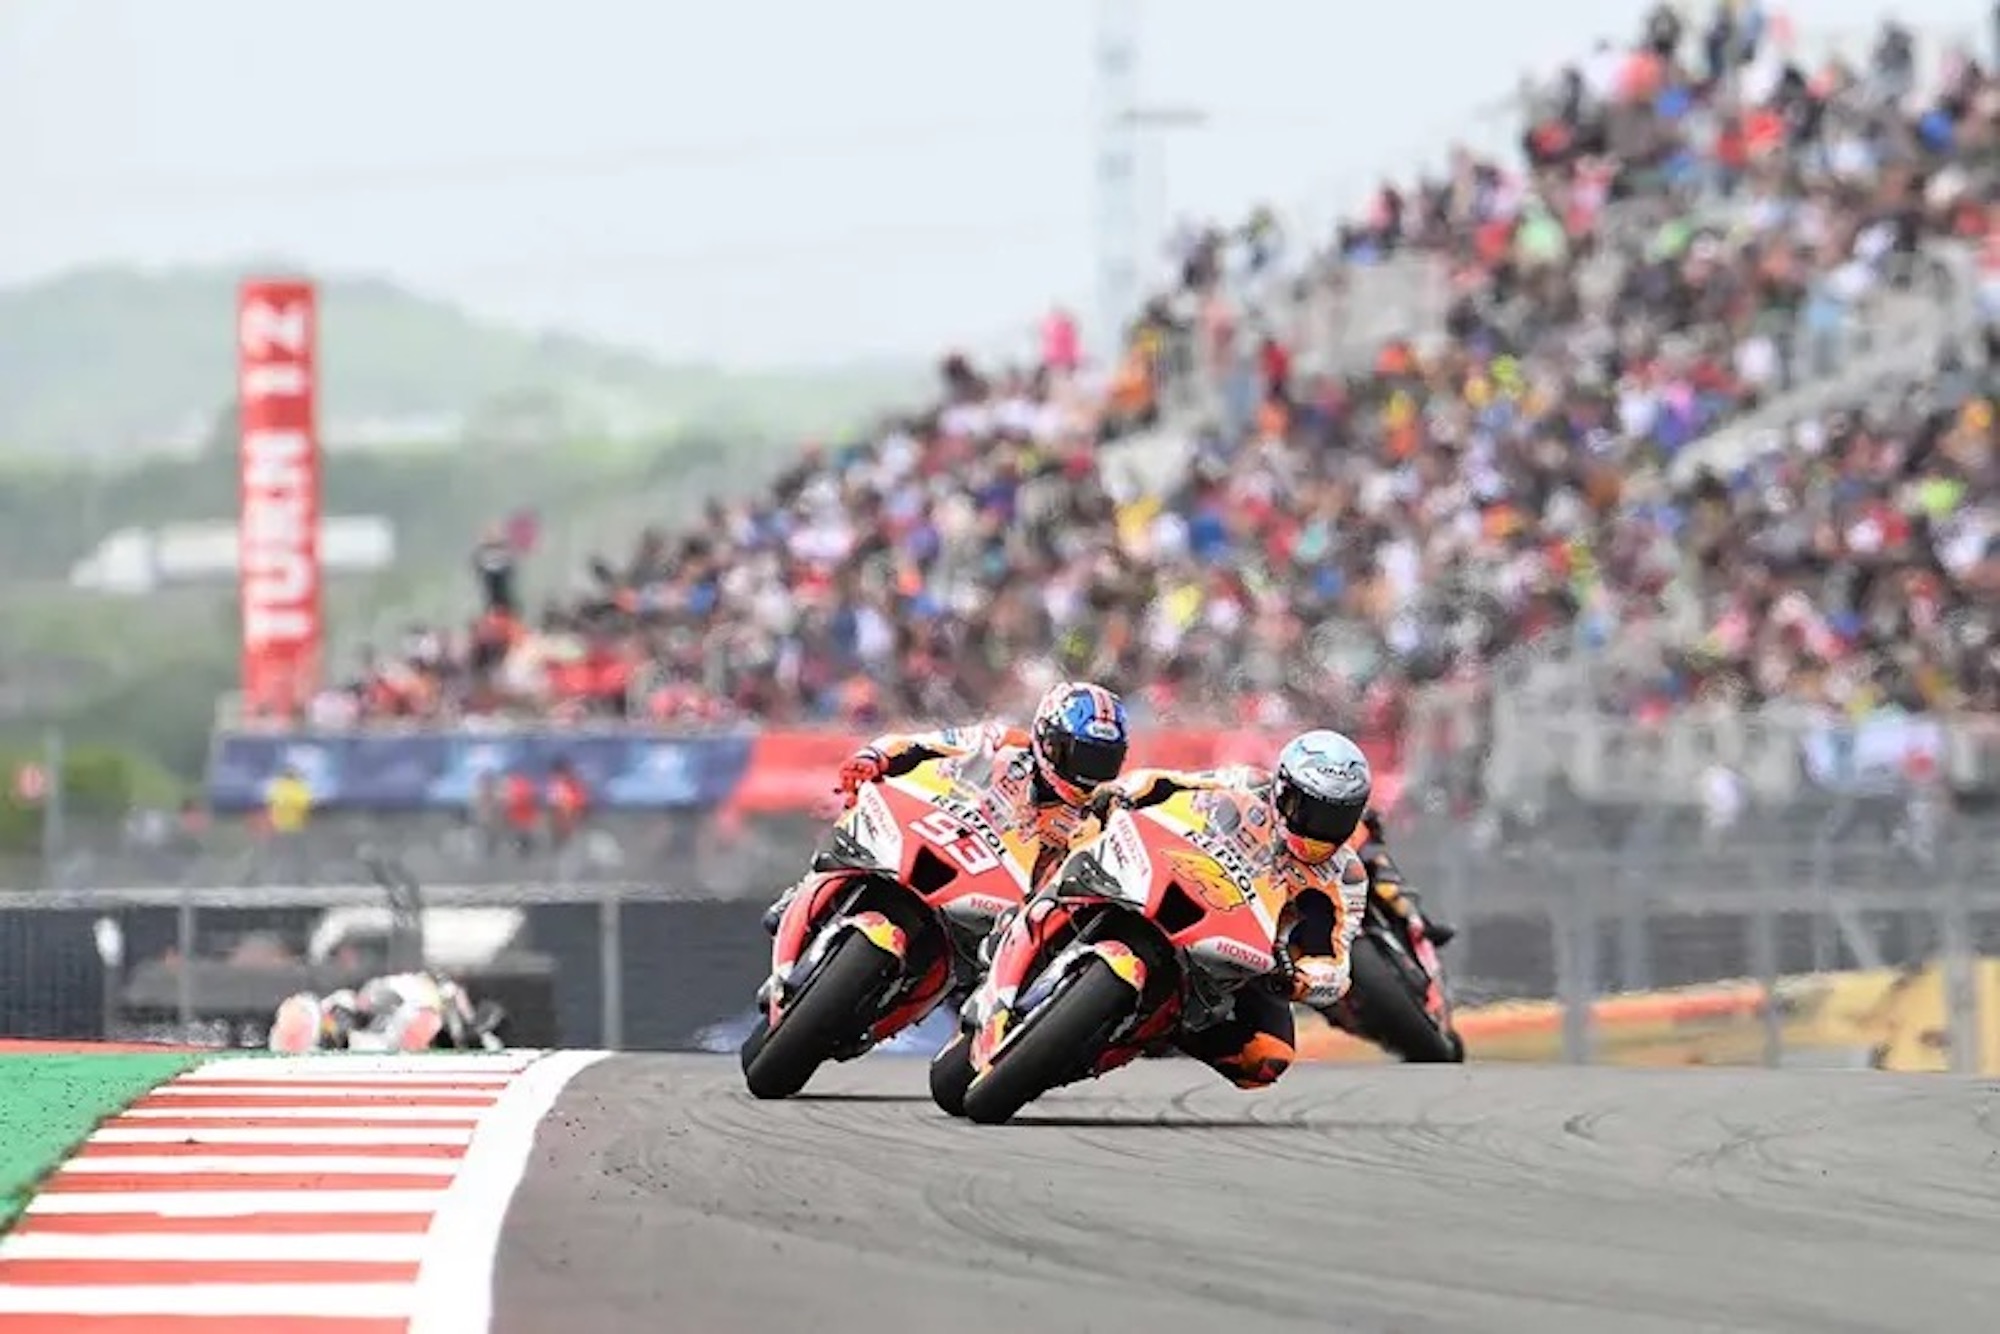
[(656, 944), (1553, 725)]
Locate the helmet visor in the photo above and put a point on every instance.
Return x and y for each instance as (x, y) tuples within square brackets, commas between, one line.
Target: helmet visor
[(1316, 818), (1085, 761)]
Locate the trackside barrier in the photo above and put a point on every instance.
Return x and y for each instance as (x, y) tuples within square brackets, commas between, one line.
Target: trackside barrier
[(1571, 909), (1884, 1019)]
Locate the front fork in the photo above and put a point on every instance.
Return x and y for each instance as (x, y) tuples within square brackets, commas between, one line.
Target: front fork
[(800, 940), (1007, 994)]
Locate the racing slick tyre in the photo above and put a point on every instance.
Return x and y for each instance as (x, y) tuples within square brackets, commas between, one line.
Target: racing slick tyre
[(777, 1062), (1069, 1028), (951, 1074), (753, 1042), (1390, 1014)]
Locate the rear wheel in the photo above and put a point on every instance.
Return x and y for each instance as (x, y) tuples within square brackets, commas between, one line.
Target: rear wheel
[(1067, 1032), (777, 1062), (1390, 1014)]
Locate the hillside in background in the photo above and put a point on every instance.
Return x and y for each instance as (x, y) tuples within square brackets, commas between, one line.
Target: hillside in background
[(118, 361), (143, 674), (101, 371)]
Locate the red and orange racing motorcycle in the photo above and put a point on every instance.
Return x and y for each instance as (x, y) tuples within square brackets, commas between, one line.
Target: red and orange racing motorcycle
[(886, 925), (1147, 929)]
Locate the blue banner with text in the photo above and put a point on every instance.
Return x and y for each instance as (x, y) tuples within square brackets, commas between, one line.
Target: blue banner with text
[(363, 771)]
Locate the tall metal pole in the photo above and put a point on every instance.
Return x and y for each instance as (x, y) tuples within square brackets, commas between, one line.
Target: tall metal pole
[(1118, 184)]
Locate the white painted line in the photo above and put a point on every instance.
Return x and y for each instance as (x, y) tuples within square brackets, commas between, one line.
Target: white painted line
[(359, 1114), (245, 1245), (460, 1086), (342, 1135), (381, 1300), (174, 1165), (235, 1203), (335, 1065), (354, 1067), (455, 1286)]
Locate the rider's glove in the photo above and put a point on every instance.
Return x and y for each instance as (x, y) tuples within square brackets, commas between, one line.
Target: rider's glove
[(864, 766), (1105, 798), (1318, 981)]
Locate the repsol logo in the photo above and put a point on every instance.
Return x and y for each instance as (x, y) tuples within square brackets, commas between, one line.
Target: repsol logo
[(1228, 856)]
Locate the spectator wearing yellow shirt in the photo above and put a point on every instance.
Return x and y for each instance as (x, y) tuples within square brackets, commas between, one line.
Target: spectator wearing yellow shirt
[(288, 801)]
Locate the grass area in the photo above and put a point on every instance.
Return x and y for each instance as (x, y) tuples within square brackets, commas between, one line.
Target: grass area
[(49, 1104)]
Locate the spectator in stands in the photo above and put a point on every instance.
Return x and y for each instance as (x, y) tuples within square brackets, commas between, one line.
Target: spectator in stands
[(568, 803), (493, 561), (487, 814), (288, 804), (1702, 226), (521, 807), (288, 801)]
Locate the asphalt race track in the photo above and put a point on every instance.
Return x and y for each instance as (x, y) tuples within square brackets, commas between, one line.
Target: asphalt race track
[(1492, 1199)]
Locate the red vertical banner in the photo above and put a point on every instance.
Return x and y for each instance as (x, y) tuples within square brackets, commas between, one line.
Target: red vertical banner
[(279, 485)]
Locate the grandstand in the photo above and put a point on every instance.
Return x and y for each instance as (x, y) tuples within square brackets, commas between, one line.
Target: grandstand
[(1646, 401)]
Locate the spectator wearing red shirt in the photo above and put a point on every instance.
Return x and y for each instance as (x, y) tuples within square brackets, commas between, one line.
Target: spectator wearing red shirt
[(520, 805), (568, 801)]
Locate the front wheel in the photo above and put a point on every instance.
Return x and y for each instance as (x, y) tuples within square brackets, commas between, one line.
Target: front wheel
[(951, 1074), (1068, 1031), (777, 1062), (1391, 1015)]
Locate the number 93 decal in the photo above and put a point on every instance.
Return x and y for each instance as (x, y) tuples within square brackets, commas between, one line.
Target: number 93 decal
[(966, 849)]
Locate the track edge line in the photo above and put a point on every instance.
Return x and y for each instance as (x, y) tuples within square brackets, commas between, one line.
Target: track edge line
[(454, 1287)]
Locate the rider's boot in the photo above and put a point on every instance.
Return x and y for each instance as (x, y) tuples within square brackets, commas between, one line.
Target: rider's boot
[(776, 912)]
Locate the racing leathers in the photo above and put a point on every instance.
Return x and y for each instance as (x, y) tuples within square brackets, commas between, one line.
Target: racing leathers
[(399, 1012), (1326, 901), (1386, 882)]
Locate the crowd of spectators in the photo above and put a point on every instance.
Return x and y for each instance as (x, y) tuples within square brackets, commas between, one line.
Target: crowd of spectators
[(1698, 224)]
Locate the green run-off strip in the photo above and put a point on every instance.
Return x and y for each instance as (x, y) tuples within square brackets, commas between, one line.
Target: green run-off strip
[(50, 1104)]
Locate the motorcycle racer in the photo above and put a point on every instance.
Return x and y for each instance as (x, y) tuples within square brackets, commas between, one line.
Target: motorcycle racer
[(398, 1012), (1316, 794), (1385, 879), (1040, 778)]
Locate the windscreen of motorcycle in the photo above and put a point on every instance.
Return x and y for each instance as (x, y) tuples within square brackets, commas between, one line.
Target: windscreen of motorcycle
[(871, 824), (1122, 852)]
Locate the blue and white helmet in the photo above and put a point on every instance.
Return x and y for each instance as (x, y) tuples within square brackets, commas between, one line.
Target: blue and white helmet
[(1079, 739), (1321, 789)]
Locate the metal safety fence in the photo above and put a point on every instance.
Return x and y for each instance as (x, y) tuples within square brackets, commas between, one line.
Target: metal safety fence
[(1585, 904)]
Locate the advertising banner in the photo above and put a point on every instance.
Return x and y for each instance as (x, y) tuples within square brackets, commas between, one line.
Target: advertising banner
[(639, 769), (279, 496), (429, 771)]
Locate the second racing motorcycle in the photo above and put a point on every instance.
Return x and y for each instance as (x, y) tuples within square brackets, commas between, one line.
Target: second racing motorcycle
[(1398, 999), (1147, 929), (887, 922)]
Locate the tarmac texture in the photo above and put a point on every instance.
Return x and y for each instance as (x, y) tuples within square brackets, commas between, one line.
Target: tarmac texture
[(1414, 1200)]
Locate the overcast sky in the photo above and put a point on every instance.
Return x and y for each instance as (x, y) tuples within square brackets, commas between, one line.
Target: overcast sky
[(776, 182)]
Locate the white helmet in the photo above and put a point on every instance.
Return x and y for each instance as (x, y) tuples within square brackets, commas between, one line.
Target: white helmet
[(1321, 789)]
